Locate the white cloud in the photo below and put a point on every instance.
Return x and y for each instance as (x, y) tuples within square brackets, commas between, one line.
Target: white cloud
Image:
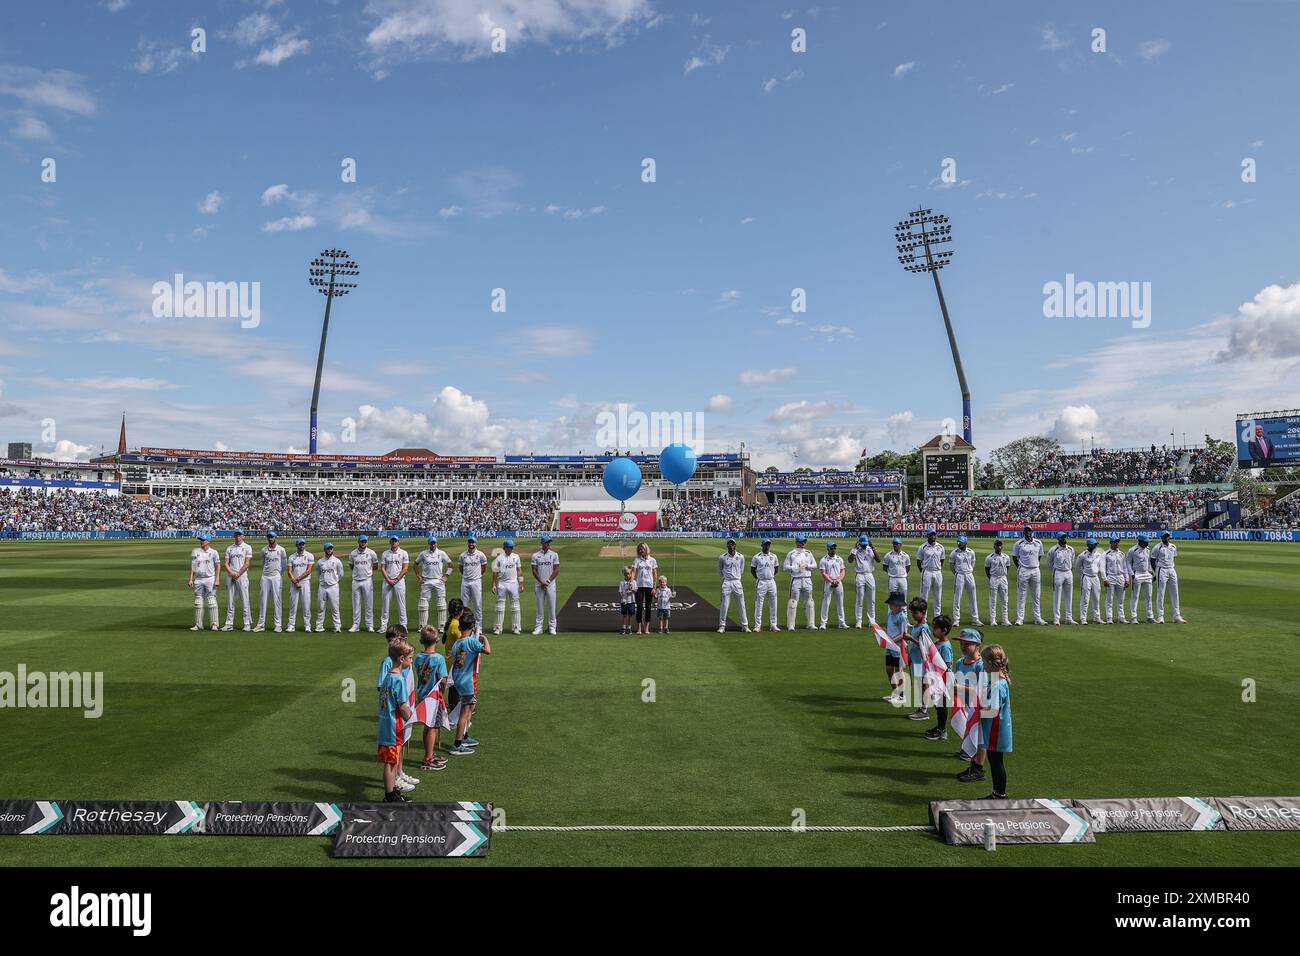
[(556, 340), (574, 212), (803, 411), (32, 128), (65, 450), (898, 427), (1052, 40), (290, 224), (766, 376), (1266, 327), (283, 49), (707, 54), (58, 90), (721, 403), (160, 57), (211, 203), (450, 212), (904, 68), (747, 220), (1152, 50), (280, 192), (1074, 423)]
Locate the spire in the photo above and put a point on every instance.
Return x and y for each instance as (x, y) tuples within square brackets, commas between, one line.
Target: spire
[(121, 438)]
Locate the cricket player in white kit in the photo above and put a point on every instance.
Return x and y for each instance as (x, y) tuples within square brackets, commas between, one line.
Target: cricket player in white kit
[(1060, 561), (962, 562), (832, 570), (1026, 556), (205, 572), (731, 568), (239, 561), (897, 564), (996, 567), (274, 560), (472, 561), (361, 561), (1139, 569), (929, 558), (864, 558), (329, 571), (434, 567), (507, 579), (1165, 553), (546, 568), (1114, 567), (393, 565), (300, 564), (1089, 567), (763, 567), (800, 563)]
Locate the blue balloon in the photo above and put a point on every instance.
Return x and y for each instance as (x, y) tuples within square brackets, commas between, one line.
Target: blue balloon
[(677, 463), (622, 478)]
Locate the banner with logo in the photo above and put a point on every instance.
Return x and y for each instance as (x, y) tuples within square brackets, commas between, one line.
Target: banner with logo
[(1020, 528), (628, 521), (127, 817), (779, 525), (597, 609), (1146, 814), (1259, 813), (943, 527), (414, 830), (238, 818), (964, 822)]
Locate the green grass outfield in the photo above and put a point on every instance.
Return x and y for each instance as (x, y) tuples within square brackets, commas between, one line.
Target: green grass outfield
[(745, 728)]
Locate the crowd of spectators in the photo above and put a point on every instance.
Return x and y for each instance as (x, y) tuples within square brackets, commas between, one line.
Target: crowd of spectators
[(1140, 508), (1156, 466), (1284, 514)]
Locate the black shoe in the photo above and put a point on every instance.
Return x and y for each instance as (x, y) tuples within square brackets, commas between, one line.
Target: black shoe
[(394, 797), (996, 796), (971, 774)]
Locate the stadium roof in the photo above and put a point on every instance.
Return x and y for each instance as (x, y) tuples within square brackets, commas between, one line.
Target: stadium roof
[(957, 441), (411, 453)]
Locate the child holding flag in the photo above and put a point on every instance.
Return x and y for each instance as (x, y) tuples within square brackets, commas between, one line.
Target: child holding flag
[(431, 678), (664, 603), (995, 719), (965, 709), (394, 712), (464, 655), (895, 625), (914, 638), (942, 627)]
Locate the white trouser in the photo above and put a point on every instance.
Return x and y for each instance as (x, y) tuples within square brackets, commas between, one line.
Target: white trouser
[(964, 583), (471, 595), (1114, 601), (898, 586), (507, 593), (800, 590), (327, 595), (363, 600), (205, 596), (765, 594), (1090, 597), (272, 589), (831, 596), (1062, 593), (1140, 588), (1167, 578), (1024, 579), (932, 590), (545, 595), (866, 585), (999, 593), (394, 592), (300, 593), (237, 590), (732, 589), (433, 592)]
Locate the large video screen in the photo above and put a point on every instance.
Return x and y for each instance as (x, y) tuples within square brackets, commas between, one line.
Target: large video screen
[(945, 473), (1263, 442)]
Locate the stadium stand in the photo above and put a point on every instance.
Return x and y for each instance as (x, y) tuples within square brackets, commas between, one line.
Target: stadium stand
[(1153, 466)]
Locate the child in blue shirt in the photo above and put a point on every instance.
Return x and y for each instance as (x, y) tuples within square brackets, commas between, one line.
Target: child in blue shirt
[(895, 625), (966, 676), (918, 608), (942, 627), (464, 655), (394, 713), (430, 669), (995, 730)]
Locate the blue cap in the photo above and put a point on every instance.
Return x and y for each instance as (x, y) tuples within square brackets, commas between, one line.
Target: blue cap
[(472, 538), (830, 545), (970, 636), (394, 537), (961, 539), (329, 545), (929, 531), (1029, 529), (731, 541), (766, 541), (898, 597), (1143, 537), (364, 537), (1091, 541), (898, 541), (270, 534), (1114, 538), (800, 538), (1061, 535), (239, 531), (507, 543), (863, 539), (300, 541), (204, 536), (1165, 534), (546, 539)]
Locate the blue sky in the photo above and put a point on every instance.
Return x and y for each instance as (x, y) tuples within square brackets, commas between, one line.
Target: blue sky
[(521, 170)]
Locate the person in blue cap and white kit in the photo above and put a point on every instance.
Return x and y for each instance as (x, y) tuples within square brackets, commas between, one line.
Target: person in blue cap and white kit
[(472, 561), (301, 561), (763, 566), (545, 568), (1164, 554), (329, 571), (962, 562), (205, 573), (361, 561), (1114, 565), (800, 564), (433, 565), (274, 560), (929, 558), (731, 569), (996, 569), (863, 558), (507, 578), (1089, 567), (1139, 571), (832, 570), (897, 564), (1026, 556), (1060, 561), (239, 561), (394, 564)]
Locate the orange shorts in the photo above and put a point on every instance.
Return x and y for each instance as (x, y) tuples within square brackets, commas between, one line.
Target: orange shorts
[(390, 753)]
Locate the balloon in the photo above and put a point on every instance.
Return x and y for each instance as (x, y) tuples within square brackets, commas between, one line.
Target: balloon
[(677, 463), (622, 478)]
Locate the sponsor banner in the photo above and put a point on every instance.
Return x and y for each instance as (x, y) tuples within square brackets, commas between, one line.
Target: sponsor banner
[(128, 817), (1105, 535), (1116, 526), (943, 527), (29, 817), (438, 830), (1143, 814), (597, 609), (295, 456), (776, 525), (1258, 813), (1269, 440), (628, 521), (58, 483), (963, 822), (239, 818), (1020, 528), (1256, 535)]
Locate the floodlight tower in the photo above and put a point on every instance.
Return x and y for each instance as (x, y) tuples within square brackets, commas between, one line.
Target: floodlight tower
[(921, 230), (323, 274)]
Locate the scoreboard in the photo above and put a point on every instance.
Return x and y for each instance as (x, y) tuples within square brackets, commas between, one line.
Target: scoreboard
[(947, 472)]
